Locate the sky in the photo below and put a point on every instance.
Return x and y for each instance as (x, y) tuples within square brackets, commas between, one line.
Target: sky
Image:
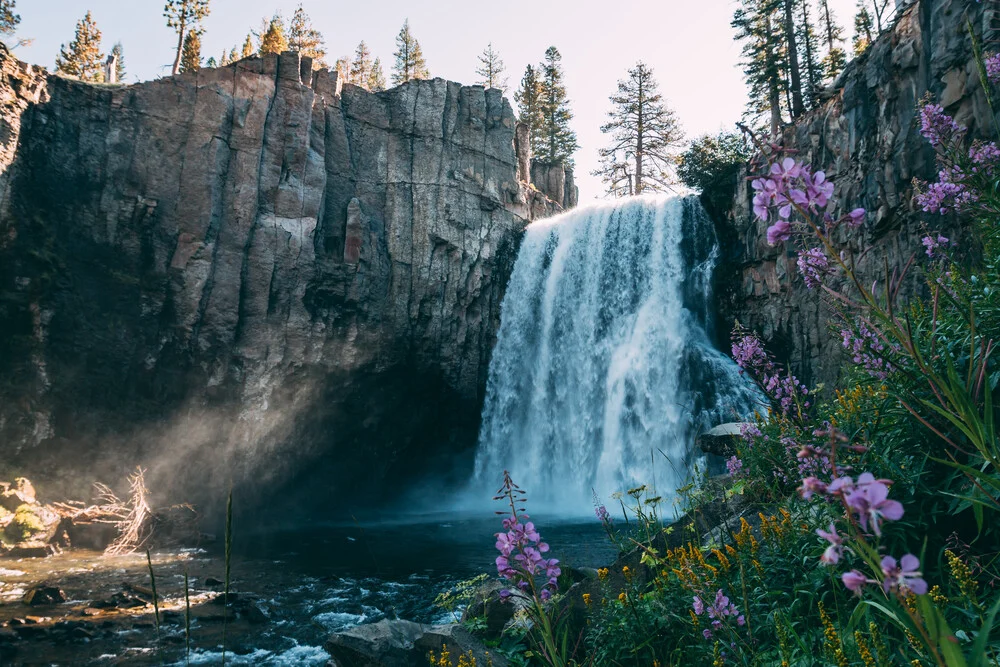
[(688, 43)]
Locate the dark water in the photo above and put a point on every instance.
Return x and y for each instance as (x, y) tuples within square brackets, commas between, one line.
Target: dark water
[(321, 579)]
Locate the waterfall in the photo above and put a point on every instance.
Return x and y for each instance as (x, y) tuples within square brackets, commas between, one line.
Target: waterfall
[(604, 369)]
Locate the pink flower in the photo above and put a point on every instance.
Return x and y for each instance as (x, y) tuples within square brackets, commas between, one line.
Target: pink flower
[(779, 232), (811, 485), (836, 549), (854, 581), (905, 575), (870, 501)]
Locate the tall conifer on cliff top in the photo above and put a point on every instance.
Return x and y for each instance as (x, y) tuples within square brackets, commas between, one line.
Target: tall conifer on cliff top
[(410, 63), (529, 106), (558, 140), (83, 57), (305, 39), (184, 16)]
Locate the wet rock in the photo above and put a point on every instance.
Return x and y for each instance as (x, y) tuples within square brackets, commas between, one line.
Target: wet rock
[(212, 582), (486, 605), (30, 550), (81, 633), (21, 492), (31, 631), (403, 644), (721, 440), (43, 594)]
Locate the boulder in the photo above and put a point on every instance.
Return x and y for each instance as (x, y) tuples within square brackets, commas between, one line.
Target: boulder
[(404, 644), (721, 440), (43, 594), (21, 492)]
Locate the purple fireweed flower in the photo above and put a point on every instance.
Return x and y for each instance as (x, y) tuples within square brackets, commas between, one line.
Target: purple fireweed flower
[(718, 611), (938, 127), (521, 549), (811, 486), (698, 606), (749, 354), (948, 194), (778, 232), (992, 64), (602, 513), (855, 218), (855, 581), (983, 155), (734, 465), (836, 549), (814, 266), (869, 350), (904, 575), (869, 500), (706, 633), (933, 244)]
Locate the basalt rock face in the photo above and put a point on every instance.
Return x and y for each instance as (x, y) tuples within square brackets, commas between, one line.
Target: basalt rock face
[(866, 136), (250, 272)]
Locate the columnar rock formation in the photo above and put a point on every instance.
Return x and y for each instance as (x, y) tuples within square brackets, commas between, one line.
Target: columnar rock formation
[(867, 138), (256, 259)]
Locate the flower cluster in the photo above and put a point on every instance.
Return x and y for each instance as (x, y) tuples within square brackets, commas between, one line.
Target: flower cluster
[(718, 611), (933, 245), (868, 350), (603, 515), (790, 185), (867, 498), (903, 575), (734, 465), (937, 127), (521, 549), (949, 193), (521, 559), (749, 354), (814, 266), (992, 64)]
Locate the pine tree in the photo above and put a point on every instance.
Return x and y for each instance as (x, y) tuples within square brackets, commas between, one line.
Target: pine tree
[(211, 63), (529, 107), (118, 51), (360, 71), (410, 63), (792, 51), (806, 34), (83, 57), (862, 30), (559, 141), (305, 39), (836, 58), (376, 78), (184, 16), (645, 138), (191, 58), (881, 11), (8, 19), (248, 50), (491, 70), (273, 39), (754, 22), (343, 67)]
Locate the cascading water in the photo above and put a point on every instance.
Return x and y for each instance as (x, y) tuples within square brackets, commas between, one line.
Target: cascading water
[(604, 370)]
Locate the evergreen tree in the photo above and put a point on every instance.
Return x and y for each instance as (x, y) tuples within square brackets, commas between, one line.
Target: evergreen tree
[(376, 78), (273, 39), (248, 50), (529, 107), (755, 22), (343, 67), (305, 39), (862, 30), (9, 22), (211, 63), (491, 70), (184, 16), (360, 71), (645, 138), (712, 164), (806, 34), (836, 58), (792, 52), (83, 57), (191, 58), (559, 141), (119, 51), (881, 12), (410, 63)]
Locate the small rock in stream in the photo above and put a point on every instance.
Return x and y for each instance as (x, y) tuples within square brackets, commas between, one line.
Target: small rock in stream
[(43, 594)]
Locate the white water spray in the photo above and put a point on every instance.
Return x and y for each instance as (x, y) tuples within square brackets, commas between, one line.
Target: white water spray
[(604, 370)]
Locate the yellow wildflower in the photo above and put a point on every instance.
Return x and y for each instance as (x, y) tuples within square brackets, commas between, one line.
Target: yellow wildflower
[(586, 599)]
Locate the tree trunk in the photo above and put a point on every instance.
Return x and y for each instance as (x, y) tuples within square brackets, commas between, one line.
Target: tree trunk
[(180, 48), (774, 94), (798, 108), (638, 144), (810, 59), (829, 26)]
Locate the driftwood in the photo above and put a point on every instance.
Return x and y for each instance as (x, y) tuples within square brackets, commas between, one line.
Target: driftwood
[(131, 518)]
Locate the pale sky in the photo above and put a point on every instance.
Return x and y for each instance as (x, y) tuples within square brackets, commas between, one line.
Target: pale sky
[(688, 43)]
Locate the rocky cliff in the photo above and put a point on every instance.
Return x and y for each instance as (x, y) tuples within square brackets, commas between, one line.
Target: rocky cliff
[(867, 138), (250, 273)]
